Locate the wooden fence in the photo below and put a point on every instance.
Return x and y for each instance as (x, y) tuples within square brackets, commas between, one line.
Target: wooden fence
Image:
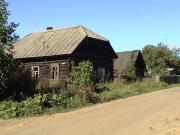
[(171, 79)]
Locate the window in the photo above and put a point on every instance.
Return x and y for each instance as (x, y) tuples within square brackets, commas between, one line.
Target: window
[(35, 72), (55, 72)]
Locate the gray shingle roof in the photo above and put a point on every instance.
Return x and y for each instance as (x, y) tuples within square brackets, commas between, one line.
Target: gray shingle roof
[(124, 59), (52, 42)]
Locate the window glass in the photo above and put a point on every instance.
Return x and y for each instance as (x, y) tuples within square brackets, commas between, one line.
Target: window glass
[(54, 72)]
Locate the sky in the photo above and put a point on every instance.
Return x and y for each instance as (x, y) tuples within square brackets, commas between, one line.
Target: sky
[(128, 24)]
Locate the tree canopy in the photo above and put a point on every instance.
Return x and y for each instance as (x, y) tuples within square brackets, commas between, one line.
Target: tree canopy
[(7, 37), (159, 57)]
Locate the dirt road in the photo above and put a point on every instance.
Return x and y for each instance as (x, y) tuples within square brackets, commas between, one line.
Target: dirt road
[(139, 115)]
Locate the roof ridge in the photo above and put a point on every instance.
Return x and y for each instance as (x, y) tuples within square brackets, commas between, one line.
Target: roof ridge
[(86, 29), (128, 51), (83, 30), (52, 30)]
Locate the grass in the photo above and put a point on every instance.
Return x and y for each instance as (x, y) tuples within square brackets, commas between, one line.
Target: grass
[(68, 100), (118, 89)]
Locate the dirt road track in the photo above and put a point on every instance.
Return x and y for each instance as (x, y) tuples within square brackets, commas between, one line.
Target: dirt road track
[(137, 115)]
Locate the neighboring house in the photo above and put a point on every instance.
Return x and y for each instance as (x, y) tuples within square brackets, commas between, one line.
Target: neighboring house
[(52, 53), (170, 71), (173, 71), (128, 58)]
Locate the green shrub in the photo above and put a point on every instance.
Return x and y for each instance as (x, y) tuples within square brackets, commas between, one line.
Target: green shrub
[(83, 74), (75, 102), (93, 98), (56, 100), (35, 106), (84, 77), (130, 72), (9, 109), (63, 99), (40, 103)]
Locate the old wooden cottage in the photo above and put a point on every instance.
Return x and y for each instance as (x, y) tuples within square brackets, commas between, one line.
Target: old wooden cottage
[(50, 54), (130, 58)]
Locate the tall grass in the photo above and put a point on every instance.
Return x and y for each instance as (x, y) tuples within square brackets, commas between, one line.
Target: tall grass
[(119, 89)]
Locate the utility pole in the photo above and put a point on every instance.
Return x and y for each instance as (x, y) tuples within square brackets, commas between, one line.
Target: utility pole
[(178, 52)]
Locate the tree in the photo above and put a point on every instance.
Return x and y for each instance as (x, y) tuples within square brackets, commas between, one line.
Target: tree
[(158, 58), (7, 37)]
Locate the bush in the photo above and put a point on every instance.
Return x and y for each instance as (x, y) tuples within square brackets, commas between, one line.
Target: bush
[(75, 102), (42, 103), (9, 109), (84, 77), (66, 98), (35, 106), (29, 107), (83, 74), (93, 98), (130, 73)]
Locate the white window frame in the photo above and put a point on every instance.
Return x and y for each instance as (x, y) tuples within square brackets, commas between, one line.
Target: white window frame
[(53, 77), (34, 73)]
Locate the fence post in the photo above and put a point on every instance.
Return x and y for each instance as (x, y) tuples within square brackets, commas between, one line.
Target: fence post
[(157, 78)]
